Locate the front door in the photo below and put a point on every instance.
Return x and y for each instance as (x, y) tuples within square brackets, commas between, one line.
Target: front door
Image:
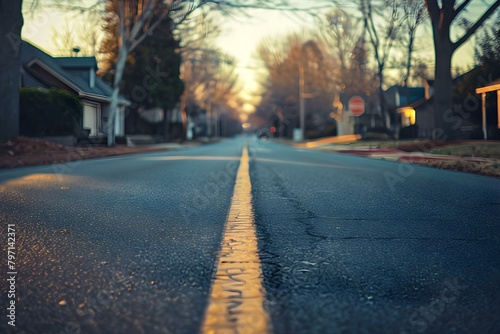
[(90, 118)]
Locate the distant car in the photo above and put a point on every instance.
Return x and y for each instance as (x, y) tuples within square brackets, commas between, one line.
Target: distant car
[(263, 134)]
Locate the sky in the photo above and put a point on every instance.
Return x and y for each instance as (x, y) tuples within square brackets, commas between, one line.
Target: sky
[(240, 36)]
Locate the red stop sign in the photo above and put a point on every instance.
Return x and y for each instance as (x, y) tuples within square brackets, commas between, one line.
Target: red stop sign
[(357, 105)]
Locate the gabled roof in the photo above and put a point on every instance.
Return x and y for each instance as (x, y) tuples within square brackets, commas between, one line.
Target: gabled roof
[(414, 94), (34, 60), (419, 103)]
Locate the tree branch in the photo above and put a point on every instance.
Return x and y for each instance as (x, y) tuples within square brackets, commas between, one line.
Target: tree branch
[(476, 25), (149, 31), (373, 30), (121, 14), (141, 19), (461, 7), (186, 13), (270, 6)]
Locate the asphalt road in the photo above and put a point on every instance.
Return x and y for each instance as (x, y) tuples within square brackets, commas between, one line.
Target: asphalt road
[(346, 244)]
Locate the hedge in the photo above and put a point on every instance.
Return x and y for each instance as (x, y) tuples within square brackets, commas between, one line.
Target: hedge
[(49, 112)]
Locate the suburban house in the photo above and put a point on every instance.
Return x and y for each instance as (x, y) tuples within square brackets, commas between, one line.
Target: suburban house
[(465, 89), (418, 109), (78, 76), (397, 96)]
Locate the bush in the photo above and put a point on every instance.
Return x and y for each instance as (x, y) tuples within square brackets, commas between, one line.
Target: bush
[(375, 136), (408, 132), (378, 133), (380, 129), (49, 112), (121, 140)]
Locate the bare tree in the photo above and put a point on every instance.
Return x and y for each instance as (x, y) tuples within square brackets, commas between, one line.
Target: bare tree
[(382, 21), (341, 33), (11, 19), (210, 82), (85, 36), (297, 69), (64, 39), (443, 15), (344, 38), (136, 19), (90, 34), (341, 36), (415, 14)]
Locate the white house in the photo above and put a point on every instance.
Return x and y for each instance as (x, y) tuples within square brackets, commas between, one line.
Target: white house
[(78, 76)]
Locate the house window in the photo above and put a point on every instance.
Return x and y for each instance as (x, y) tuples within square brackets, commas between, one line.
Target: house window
[(408, 116)]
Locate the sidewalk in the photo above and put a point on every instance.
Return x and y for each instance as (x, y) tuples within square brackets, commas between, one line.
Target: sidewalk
[(489, 166), (399, 155)]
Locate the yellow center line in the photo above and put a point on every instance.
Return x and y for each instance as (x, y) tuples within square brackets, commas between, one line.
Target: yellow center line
[(236, 302)]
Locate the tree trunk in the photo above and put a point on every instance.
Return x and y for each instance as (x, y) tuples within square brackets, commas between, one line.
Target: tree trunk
[(408, 67), (166, 125), (443, 85), (120, 66), (184, 116), (11, 19), (383, 111)]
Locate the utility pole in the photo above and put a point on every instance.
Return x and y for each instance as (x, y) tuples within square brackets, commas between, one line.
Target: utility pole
[(302, 102), (216, 122), (302, 105), (209, 119), (211, 92), (299, 134)]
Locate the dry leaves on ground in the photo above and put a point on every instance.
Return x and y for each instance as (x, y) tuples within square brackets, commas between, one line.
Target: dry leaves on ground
[(23, 151)]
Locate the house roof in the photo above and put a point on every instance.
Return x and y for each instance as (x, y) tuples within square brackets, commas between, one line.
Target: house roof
[(406, 95), (29, 80), (423, 101), (419, 103), (33, 60), (492, 86), (76, 62)]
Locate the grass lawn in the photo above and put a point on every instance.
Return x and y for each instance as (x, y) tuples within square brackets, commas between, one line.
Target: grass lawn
[(476, 149)]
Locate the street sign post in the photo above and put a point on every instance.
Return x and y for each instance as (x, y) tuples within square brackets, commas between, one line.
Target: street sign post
[(356, 106)]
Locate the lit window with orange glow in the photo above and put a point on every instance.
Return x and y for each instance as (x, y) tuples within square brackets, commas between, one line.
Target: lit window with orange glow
[(409, 116)]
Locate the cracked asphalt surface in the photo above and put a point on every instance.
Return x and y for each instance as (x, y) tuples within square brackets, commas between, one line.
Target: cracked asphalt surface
[(347, 244)]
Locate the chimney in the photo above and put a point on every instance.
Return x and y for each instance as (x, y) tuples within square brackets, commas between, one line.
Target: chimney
[(92, 77)]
